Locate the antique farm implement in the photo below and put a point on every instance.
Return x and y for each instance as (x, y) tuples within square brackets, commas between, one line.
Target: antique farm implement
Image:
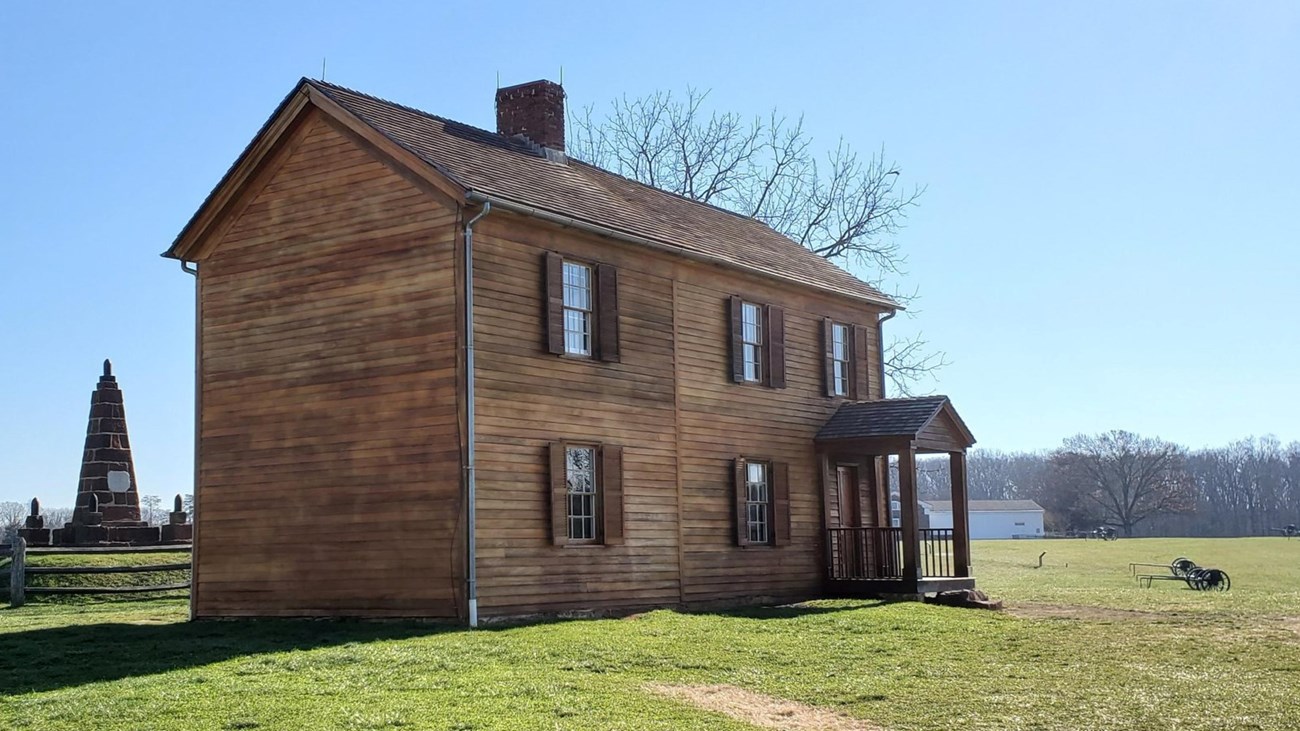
[(1290, 531), (1185, 570)]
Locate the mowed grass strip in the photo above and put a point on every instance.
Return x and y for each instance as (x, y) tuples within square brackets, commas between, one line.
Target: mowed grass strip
[(1081, 647)]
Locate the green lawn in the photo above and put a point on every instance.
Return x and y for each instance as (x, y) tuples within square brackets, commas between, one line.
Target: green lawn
[(1081, 648)]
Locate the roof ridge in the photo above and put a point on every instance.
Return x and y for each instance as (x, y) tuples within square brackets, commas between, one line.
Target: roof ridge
[(803, 265), (414, 110)]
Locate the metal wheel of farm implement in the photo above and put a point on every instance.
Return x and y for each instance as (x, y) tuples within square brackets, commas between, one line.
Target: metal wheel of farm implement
[(1182, 565), (1214, 580)]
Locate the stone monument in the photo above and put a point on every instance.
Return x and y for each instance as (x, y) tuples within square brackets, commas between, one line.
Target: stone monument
[(107, 511)]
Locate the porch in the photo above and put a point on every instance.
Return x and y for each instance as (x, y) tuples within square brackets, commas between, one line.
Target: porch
[(866, 553)]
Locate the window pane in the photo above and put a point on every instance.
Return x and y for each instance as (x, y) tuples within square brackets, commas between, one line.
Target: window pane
[(757, 501), (580, 475), (577, 332), (839, 342), (753, 364), (752, 321), (577, 286)]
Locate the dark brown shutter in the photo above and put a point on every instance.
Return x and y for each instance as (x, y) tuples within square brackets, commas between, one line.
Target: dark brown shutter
[(554, 302), (559, 496), (828, 361), (742, 513), (737, 342), (775, 346), (607, 312), (611, 494), (780, 503), (861, 363)]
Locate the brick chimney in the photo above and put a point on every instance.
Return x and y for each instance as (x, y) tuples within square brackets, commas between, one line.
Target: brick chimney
[(534, 110)]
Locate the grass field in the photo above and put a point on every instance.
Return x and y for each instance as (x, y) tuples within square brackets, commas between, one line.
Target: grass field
[(1080, 647)]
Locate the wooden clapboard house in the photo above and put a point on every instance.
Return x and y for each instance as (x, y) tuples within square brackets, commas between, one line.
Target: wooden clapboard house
[(655, 402)]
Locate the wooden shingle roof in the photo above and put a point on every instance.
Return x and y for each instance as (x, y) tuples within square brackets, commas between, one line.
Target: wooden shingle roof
[(514, 169), (897, 418)]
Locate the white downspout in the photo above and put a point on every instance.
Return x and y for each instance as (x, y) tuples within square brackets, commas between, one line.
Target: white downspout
[(880, 336), (471, 589)]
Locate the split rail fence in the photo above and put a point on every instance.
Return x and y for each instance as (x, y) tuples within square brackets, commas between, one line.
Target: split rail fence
[(18, 570)]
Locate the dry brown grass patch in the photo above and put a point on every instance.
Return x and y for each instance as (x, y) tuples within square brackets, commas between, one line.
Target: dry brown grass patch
[(762, 710)]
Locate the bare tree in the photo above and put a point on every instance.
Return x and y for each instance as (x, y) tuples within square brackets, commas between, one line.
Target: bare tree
[(838, 204), (151, 509), (12, 517), (1127, 477)]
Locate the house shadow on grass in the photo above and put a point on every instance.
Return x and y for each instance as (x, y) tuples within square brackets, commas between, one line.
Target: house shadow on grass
[(791, 611), (62, 657)]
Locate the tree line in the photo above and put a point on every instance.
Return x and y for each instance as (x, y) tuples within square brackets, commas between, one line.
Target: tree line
[(1140, 485)]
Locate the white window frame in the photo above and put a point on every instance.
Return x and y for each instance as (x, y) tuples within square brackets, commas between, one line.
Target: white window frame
[(751, 341), (579, 308), (758, 502), (841, 359), (582, 494)]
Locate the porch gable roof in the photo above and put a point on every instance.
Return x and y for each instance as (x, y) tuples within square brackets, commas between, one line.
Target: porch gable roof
[(930, 422)]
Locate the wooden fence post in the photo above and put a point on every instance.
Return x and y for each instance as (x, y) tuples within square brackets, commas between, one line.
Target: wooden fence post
[(18, 573)]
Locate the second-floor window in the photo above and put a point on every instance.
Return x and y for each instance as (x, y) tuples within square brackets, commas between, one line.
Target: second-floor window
[(577, 308), (751, 317), (581, 308), (840, 359), (845, 349), (757, 343)]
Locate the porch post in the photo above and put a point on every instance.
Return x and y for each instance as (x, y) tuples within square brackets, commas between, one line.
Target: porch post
[(960, 515), (910, 519)]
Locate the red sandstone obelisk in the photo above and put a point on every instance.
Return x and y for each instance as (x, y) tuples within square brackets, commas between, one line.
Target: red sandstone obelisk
[(106, 493)]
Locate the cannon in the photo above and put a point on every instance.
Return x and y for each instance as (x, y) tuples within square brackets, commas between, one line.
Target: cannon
[(1185, 570)]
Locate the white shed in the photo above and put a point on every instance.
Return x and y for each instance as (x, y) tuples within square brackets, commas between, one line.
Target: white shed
[(989, 518)]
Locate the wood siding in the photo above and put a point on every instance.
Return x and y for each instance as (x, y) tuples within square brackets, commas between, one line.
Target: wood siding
[(669, 403), (329, 452)]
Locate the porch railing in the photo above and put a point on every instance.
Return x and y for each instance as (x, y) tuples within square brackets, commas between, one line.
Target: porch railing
[(877, 553), (936, 552)]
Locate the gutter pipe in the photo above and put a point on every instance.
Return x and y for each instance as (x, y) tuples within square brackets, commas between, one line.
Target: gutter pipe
[(471, 588), (880, 337)]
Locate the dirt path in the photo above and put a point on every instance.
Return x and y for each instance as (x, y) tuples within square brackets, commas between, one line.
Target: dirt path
[(761, 710)]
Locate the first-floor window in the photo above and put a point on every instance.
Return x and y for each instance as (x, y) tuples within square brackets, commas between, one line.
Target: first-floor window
[(580, 480), (758, 502), (586, 487)]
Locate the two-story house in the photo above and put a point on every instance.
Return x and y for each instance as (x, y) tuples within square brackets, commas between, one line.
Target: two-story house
[(446, 372)]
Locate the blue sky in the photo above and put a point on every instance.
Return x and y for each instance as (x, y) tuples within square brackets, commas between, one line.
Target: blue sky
[(1109, 237)]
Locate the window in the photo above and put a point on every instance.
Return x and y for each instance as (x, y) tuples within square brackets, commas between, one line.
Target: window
[(845, 347), (586, 494), (762, 502), (577, 309), (580, 482), (751, 316), (840, 359), (757, 343), (757, 502), (581, 309)]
